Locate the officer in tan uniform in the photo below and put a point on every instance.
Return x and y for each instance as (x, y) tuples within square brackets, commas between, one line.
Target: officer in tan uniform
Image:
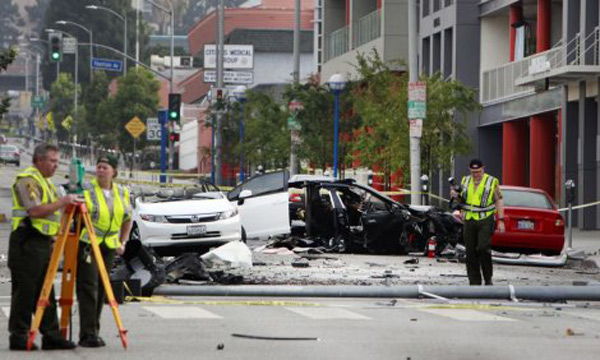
[(35, 223)]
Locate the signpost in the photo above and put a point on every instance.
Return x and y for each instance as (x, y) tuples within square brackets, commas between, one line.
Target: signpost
[(153, 132), (109, 65), (417, 107), (234, 57), (38, 102), (135, 127), (69, 45), (230, 77)]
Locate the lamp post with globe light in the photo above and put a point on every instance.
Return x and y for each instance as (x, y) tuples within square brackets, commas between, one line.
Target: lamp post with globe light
[(337, 83)]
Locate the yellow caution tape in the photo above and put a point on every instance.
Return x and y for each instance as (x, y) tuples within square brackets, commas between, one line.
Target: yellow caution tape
[(165, 300)]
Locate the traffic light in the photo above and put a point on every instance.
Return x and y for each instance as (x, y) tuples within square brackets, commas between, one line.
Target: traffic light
[(55, 40), (219, 97), (174, 107), (174, 137)]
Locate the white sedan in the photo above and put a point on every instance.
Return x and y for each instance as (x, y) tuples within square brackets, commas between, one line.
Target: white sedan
[(174, 221)]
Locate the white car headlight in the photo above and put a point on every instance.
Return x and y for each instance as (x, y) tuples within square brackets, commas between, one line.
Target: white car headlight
[(228, 214), (154, 218)]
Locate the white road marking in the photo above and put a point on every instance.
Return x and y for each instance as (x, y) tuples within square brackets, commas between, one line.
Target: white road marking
[(328, 313), (181, 312), (466, 315)]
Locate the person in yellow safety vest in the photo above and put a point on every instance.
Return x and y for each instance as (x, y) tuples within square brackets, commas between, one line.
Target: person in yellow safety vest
[(483, 207), (110, 211), (35, 222)]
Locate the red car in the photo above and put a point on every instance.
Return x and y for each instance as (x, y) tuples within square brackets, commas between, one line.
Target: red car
[(533, 223)]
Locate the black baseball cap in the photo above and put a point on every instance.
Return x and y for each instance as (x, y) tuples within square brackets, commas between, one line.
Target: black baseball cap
[(109, 159), (475, 164)]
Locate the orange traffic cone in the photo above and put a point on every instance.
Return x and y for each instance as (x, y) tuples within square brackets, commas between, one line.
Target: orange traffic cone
[(431, 247)]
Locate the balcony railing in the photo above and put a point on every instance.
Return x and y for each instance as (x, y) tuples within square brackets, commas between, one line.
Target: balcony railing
[(560, 62), (338, 43), (367, 28)]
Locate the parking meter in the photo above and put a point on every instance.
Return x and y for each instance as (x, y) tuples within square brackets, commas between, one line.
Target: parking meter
[(570, 197), (424, 188), (570, 191)]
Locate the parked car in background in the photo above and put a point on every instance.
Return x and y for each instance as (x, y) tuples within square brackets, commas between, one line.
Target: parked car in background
[(178, 220), (10, 154), (533, 223)]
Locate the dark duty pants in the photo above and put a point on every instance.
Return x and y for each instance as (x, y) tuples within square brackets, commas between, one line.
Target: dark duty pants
[(478, 241), (90, 291), (28, 258)]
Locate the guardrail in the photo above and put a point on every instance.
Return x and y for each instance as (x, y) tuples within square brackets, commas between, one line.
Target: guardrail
[(338, 43), (368, 28), (499, 84)]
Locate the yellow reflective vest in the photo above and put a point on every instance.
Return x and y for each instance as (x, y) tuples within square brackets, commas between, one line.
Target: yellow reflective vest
[(479, 202), (107, 222), (48, 225)]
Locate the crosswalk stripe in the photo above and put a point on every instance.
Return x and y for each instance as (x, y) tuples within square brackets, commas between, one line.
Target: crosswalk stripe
[(466, 315), (328, 313), (181, 312)]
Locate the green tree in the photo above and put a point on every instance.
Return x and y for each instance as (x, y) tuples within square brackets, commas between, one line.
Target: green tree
[(7, 56), (137, 95), (266, 137), (8, 24), (62, 96), (380, 101), (444, 133), (93, 97)]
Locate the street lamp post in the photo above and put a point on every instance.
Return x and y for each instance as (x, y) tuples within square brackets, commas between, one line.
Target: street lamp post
[(240, 95), (89, 31), (124, 20), (337, 83)]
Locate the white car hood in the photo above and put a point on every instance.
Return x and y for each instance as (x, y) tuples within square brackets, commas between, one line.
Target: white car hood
[(184, 207)]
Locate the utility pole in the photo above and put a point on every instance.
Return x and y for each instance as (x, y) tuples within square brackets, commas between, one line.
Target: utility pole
[(137, 34), (296, 76), (218, 118), (413, 71)]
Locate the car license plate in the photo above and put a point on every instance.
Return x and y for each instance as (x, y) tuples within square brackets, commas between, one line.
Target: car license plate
[(196, 230), (525, 225)]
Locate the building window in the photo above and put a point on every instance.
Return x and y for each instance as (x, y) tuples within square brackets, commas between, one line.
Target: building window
[(448, 2), (425, 7), (425, 51), (436, 50), (448, 52), (437, 5)]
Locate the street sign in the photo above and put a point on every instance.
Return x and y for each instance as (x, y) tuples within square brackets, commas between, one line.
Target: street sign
[(417, 100), (417, 91), (67, 122), (230, 77), (110, 65), (69, 45), (38, 102), (417, 109), (234, 57), (135, 127), (153, 132), (416, 128), (293, 123)]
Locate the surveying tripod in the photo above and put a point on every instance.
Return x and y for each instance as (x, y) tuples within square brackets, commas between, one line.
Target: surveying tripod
[(68, 242)]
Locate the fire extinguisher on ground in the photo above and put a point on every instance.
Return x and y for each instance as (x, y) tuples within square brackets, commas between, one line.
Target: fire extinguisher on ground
[(431, 245)]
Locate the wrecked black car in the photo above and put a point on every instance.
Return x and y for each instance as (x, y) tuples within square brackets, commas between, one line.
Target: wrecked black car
[(346, 216)]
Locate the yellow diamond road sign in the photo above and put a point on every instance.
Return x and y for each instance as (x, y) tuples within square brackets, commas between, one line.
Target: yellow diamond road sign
[(135, 126)]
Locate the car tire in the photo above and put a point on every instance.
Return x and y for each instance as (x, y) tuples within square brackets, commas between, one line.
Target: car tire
[(244, 237)]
